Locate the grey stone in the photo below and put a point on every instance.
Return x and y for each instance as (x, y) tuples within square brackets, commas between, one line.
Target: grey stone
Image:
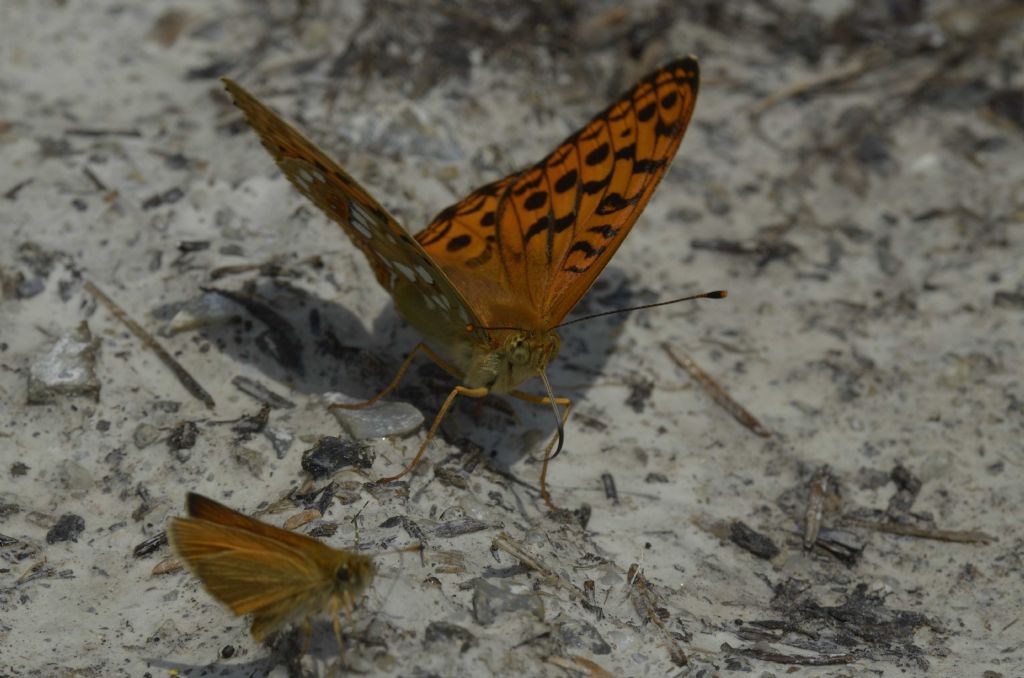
[(379, 420), (67, 369)]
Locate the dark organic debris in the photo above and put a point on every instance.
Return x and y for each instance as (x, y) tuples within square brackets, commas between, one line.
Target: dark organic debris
[(846, 546), (101, 132), (323, 499), (186, 379), (907, 488), (261, 393), (957, 536), (331, 454), (455, 528), (1009, 104), (323, 530), (215, 69), (12, 192), (887, 260), (450, 477), (581, 636), (68, 527), (1006, 299), (588, 421), (750, 540), (794, 659), (490, 601), (827, 78), (764, 251), (150, 545), (589, 600), (410, 527), (439, 631), (142, 492), (251, 424), (189, 246), (526, 559), (822, 498), (717, 393), (639, 393), (168, 197), (862, 623), (184, 436), (648, 605), (580, 516), (610, 493), (8, 509)]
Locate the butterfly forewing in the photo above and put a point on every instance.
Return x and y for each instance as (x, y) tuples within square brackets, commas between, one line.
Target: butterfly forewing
[(239, 567), (535, 248), (462, 239), (399, 262), (204, 508)]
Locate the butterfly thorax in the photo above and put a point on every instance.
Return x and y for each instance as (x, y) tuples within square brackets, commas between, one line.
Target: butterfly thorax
[(509, 358)]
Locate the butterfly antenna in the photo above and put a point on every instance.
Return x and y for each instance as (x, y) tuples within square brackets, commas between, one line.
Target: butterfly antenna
[(717, 294), (355, 523), (554, 408)]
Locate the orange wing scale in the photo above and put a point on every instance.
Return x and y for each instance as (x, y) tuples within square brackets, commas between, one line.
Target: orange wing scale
[(523, 250)]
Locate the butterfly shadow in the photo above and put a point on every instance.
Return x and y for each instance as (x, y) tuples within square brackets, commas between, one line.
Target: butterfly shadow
[(302, 342), (312, 345), (301, 655)]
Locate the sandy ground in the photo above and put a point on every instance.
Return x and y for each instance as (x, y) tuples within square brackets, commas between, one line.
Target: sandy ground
[(854, 176)]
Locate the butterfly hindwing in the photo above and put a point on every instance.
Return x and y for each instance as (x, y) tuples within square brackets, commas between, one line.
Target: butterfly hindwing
[(398, 261), (532, 244)]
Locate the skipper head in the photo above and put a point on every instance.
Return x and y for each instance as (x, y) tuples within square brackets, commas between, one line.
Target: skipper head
[(354, 574)]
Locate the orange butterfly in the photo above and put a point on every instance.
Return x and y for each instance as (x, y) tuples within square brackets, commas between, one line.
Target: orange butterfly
[(492, 277), (255, 568)]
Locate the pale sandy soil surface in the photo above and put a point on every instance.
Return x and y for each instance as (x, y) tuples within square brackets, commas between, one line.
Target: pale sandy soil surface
[(854, 176)]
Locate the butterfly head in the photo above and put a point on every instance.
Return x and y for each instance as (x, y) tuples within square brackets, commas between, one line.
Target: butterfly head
[(353, 574), (531, 350), (511, 357)]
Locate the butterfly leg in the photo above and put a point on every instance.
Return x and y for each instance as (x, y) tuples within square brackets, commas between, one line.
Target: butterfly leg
[(456, 392), (337, 605), (398, 377), (565, 403), (307, 636)]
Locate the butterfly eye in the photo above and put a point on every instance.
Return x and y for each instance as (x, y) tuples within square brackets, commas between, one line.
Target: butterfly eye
[(342, 574)]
